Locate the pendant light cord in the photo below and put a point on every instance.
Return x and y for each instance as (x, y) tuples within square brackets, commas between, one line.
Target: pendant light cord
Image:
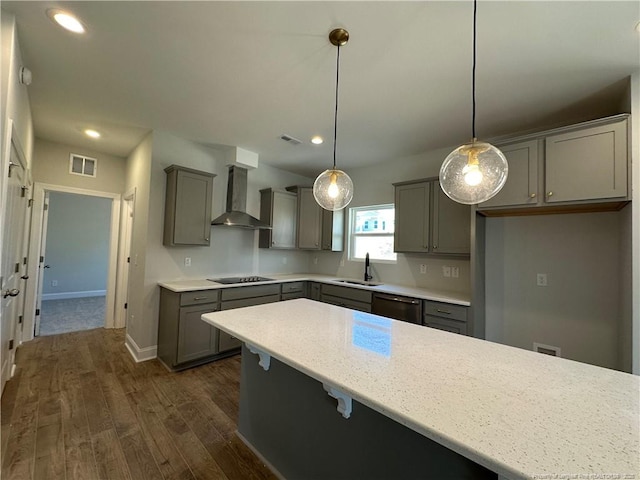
[(335, 117), (473, 74)]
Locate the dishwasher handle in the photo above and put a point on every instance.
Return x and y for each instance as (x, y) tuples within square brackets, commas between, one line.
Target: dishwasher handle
[(393, 298)]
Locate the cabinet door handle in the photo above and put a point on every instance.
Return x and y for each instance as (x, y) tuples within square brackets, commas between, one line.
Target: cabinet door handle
[(443, 311), (206, 239), (533, 195), (549, 194)]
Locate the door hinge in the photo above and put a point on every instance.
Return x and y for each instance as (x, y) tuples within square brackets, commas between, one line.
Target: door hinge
[(30, 202), (10, 344), (19, 319), (128, 259), (24, 260), (37, 312), (46, 206), (41, 259), (24, 191), (17, 267), (126, 305)]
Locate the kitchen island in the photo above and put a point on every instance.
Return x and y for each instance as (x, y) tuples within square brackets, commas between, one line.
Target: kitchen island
[(517, 413)]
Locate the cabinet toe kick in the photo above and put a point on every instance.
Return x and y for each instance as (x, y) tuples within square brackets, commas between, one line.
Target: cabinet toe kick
[(265, 358)]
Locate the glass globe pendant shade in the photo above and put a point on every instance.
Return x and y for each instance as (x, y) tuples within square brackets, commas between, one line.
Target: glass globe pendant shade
[(333, 189), (473, 173)]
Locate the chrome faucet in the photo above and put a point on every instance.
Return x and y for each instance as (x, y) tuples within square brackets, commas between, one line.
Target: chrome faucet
[(367, 269)]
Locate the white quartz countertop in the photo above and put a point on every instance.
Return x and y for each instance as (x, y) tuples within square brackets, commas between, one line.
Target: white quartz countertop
[(519, 413), (455, 298)]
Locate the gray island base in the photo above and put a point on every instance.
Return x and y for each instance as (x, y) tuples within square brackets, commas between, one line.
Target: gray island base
[(288, 419)]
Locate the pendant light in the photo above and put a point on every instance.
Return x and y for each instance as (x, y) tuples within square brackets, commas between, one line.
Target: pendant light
[(476, 171), (333, 189)]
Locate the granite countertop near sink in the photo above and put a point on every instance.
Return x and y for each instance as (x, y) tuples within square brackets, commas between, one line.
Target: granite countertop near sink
[(455, 298)]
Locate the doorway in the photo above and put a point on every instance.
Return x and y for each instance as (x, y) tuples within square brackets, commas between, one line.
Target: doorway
[(60, 282), (75, 263)]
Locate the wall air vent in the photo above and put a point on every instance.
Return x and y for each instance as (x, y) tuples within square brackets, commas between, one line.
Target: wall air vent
[(81, 165), (546, 349), (290, 139)]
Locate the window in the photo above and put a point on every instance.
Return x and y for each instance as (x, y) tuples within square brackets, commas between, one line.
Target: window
[(81, 165), (371, 231)]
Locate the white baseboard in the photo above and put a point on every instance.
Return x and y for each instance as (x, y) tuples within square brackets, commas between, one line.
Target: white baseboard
[(140, 354), (65, 295)]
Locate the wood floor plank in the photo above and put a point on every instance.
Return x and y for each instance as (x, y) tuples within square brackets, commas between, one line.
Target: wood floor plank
[(110, 460), (50, 457), (96, 406), (141, 463), (18, 461), (79, 407), (169, 461)]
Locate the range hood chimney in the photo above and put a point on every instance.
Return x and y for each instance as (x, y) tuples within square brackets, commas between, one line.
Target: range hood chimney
[(236, 215)]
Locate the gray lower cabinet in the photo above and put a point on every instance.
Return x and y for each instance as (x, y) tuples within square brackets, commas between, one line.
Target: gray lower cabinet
[(291, 290), (353, 298), (184, 340), (187, 212), (313, 292), (446, 316)]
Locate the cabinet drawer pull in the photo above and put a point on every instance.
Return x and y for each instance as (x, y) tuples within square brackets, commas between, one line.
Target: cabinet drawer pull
[(199, 298), (443, 311)]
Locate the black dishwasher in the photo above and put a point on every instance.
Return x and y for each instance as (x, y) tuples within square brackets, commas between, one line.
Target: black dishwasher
[(406, 309)]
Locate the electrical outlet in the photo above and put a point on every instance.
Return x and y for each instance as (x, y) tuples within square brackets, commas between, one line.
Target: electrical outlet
[(455, 272), (54, 283), (541, 279), (423, 268), (446, 271), (315, 260), (187, 261)]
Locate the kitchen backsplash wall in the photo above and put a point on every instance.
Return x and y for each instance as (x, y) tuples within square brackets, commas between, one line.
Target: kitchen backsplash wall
[(373, 186)]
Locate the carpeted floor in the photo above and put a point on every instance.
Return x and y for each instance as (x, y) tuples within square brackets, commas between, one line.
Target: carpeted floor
[(71, 315)]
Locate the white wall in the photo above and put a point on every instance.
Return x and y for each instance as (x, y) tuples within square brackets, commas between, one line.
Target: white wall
[(51, 165), (579, 311), (232, 251), (77, 248), (373, 186), (635, 233)]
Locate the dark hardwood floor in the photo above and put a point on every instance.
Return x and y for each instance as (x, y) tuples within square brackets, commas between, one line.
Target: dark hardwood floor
[(79, 407)]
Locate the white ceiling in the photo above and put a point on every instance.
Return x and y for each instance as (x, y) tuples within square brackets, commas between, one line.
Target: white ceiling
[(243, 73)]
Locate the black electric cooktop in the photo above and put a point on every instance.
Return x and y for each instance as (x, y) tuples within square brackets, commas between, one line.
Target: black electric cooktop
[(230, 280)]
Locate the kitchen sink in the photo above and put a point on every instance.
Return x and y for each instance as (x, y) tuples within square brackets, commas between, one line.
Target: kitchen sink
[(360, 282)]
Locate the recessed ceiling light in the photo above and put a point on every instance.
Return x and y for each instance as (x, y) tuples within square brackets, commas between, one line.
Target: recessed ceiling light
[(317, 140), (92, 133), (66, 20)]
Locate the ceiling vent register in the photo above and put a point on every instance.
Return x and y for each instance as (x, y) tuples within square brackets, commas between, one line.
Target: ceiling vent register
[(290, 139), (81, 165)]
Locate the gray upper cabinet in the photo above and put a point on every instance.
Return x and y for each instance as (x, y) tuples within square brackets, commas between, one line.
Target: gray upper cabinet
[(309, 218), (427, 221), (187, 214), (521, 187), (279, 209), (566, 167), (333, 230), (450, 224), (587, 164), (412, 205)]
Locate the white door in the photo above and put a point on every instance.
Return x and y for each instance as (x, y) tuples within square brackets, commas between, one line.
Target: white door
[(11, 283), (124, 261), (41, 262)]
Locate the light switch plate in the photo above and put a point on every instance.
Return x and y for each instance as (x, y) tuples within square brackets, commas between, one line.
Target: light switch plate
[(446, 271), (423, 268), (187, 261), (455, 272), (541, 279)]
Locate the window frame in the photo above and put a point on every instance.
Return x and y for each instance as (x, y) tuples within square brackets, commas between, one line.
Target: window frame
[(84, 163), (352, 235)]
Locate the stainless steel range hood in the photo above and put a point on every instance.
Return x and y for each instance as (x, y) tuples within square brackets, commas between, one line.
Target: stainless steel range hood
[(236, 215)]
